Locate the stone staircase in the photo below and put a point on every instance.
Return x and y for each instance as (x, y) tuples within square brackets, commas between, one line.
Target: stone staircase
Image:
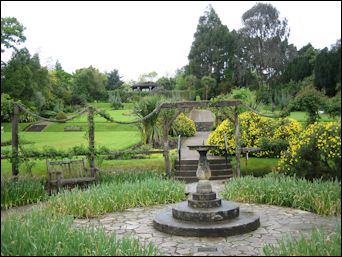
[(203, 126), (186, 171)]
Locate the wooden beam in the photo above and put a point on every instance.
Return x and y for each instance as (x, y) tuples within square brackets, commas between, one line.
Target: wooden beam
[(15, 141), (195, 104)]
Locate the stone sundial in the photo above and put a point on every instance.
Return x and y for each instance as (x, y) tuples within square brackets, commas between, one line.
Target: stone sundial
[(204, 214)]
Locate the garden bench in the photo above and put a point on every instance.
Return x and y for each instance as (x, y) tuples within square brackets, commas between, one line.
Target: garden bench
[(68, 172)]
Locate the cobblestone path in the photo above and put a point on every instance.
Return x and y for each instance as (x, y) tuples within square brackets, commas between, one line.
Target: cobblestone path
[(276, 223)]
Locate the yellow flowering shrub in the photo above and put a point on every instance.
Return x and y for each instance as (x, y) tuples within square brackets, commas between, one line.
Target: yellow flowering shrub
[(315, 153), (254, 129), (278, 140), (183, 126)]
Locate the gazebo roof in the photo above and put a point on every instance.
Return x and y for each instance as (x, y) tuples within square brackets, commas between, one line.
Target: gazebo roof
[(146, 85)]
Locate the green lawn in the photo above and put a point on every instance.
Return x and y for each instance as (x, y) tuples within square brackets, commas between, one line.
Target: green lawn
[(255, 166), (112, 135), (303, 116), (116, 140)]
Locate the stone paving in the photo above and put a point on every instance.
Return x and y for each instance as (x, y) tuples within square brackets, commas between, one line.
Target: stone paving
[(276, 222)]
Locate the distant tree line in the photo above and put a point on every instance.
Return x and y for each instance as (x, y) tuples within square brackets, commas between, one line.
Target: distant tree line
[(257, 56)]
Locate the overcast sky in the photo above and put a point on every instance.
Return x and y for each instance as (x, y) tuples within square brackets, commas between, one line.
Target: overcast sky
[(140, 37)]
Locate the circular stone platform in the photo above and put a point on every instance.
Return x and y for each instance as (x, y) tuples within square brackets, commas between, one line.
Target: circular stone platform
[(206, 216), (245, 222)]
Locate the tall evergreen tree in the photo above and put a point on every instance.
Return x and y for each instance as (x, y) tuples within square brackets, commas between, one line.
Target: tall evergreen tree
[(265, 44), (209, 51), (113, 80), (301, 66), (328, 69), (23, 77)]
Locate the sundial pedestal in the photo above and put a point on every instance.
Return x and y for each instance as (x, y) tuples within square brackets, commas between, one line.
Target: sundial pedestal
[(203, 172)]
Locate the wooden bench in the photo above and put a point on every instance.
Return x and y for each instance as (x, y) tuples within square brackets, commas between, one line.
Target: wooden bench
[(68, 172)]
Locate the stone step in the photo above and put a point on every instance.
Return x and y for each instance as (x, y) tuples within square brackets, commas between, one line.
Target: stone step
[(204, 204), (195, 162), (244, 223), (195, 179), (190, 173), (204, 196), (211, 166), (227, 210), (203, 126)]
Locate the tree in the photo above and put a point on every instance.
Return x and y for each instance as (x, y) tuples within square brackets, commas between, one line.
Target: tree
[(89, 85), (167, 83), (11, 33), (23, 76), (211, 46), (265, 45), (209, 85), (311, 100), (328, 69), (148, 77), (58, 66), (61, 86), (148, 127), (301, 66), (113, 80)]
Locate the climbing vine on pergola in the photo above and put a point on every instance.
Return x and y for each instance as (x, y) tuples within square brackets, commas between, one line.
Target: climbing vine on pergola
[(180, 106)]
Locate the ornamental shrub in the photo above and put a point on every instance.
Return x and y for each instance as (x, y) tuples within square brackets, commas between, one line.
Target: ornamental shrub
[(115, 101), (61, 116), (48, 114), (6, 108), (183, 126), (315, 153), (255, 131)]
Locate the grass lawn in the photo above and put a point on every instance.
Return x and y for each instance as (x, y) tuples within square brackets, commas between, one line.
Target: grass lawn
[(112, 135), (303, 116), (255, 166), (116, 140)]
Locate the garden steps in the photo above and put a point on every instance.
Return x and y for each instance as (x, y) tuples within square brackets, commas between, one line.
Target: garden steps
[(187, 170), (191, 179)]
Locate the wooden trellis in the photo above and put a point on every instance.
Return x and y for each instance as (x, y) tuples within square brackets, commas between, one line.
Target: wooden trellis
[(91, 135), (197, 104)]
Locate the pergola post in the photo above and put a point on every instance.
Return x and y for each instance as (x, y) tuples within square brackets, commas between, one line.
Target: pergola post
[(15, 141), (166, 150), (91, 137), (237, 140)]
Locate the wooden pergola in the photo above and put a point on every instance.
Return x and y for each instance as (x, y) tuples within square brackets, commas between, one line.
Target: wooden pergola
[(180, 106)]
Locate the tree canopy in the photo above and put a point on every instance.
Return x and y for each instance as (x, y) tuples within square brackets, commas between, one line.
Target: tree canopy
[(11, 33)]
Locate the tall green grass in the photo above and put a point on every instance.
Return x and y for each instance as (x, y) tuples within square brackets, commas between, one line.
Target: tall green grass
[(116, 196), (322, 197), (319, 244), (25, 190), (131, 176), (152, 162), (40, 233)]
